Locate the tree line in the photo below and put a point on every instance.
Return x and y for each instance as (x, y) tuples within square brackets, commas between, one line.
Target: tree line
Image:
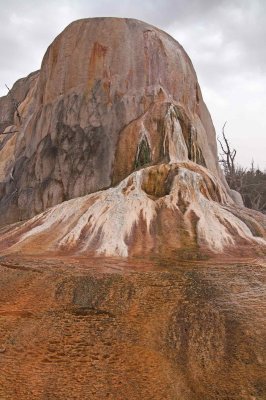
[(249, 182)]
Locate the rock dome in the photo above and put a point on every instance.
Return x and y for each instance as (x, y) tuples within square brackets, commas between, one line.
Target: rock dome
[(115, 115)]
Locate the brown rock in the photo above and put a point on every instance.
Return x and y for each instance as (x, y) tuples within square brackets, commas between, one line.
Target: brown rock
[(15, 97), (114, 96), (103, 329), (106, 88), (169, 210), (117, 103)]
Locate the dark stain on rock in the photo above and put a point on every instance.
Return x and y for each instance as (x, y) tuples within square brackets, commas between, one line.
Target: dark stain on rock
[(143, 156), (108, 295)]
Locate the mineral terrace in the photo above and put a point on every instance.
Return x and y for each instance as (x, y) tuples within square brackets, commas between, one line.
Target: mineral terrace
[(129, 269)]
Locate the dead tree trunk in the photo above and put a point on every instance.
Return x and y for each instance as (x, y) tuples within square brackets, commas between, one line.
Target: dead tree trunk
[(228, 160)]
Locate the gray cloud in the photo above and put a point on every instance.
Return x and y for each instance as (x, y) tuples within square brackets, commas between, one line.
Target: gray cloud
[(225, 40)]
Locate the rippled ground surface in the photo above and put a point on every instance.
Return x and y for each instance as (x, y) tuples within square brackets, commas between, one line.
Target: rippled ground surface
[(95, 329)]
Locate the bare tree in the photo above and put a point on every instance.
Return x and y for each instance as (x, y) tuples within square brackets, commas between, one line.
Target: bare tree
[(234, 175), (228, 155)]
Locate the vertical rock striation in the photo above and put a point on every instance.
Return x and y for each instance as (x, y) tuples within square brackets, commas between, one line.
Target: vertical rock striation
[(116, 122), (106, 85)]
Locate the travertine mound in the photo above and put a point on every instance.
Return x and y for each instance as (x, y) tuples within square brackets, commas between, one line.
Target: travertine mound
[(177, 209), (114, 123), (112, 95), (116, 115)]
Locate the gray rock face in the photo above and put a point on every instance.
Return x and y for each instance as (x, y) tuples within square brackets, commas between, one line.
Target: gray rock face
[(106, 86)]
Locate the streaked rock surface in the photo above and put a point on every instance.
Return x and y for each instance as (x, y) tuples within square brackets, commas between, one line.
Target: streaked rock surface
[(109, 174), (177, 209), (112, 95), (116, 115), (21, 90), (101, 328)]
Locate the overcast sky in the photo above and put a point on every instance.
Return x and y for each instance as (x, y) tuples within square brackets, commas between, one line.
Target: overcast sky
[(225, 40)]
